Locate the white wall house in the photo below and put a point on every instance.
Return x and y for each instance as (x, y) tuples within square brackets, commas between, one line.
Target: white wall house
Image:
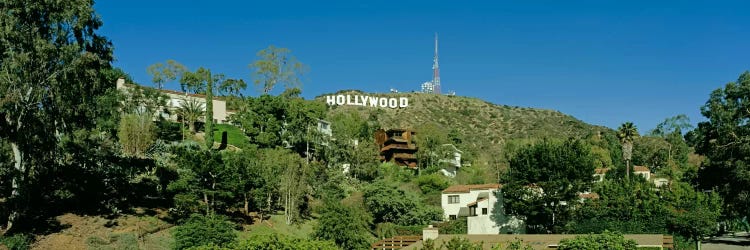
[(452, 164), (599, 174), (474, 202), (642, 171), (176, 99)]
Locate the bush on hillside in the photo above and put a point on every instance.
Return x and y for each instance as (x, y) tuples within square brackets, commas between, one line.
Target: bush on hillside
[(605, 240), (16, 241), (199, 230), (432, 183)]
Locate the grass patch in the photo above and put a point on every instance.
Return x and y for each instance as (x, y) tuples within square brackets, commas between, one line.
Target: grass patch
[(276, 225), (123, 241), (235, 136)]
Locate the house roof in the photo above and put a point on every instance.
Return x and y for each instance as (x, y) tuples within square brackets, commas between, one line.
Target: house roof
[(468, 188), (589, 196), (536, 241), (167, 91), (640, 169), (475, 203), (601, 170)]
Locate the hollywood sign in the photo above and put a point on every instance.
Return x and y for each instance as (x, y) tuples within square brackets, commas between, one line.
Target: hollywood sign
[(371, 101)]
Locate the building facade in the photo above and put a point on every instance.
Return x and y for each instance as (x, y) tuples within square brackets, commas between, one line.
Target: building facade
[(177, 99), (398, 146), (475, 202)]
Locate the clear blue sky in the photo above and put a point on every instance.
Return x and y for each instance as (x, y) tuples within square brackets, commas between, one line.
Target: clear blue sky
[(604, 62)]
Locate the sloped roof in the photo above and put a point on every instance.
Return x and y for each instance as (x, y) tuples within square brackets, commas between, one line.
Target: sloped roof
[(467, 188), (589, 196), (601, 170), (474, 203), (640, 169)]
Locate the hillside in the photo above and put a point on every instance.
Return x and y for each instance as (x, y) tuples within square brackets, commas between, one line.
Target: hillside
[(482, 125)]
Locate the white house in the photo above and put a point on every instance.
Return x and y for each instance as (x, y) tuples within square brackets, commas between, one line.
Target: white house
[(599, 174), (176, 99), (451, 165), (642, 171), (474, 202)]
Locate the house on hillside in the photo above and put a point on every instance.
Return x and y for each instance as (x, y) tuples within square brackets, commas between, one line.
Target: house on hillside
[(398, 146), (475, 202), (177, 99), (453, 162), (599, 174), (642, 171)]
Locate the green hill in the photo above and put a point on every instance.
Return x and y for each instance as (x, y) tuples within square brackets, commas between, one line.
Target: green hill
[(483, 126)]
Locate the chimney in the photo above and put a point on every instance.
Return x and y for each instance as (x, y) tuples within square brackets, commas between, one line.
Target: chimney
[(429, 233), (120, 83)]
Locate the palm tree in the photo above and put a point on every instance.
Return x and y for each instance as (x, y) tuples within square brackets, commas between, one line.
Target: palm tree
[(627, 133), (191, 111)]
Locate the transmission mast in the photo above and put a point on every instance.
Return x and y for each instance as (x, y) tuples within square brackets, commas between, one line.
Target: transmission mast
[(436, 69)]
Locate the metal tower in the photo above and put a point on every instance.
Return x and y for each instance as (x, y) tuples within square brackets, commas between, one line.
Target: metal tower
[(436, 69)]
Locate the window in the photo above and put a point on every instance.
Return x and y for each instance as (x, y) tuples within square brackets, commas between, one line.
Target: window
[(453, 199), (452, 217), (484, 210), (473, 211)]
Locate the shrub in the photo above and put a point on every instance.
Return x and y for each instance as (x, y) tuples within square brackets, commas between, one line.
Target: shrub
[(606, 240), (16, 241), (201, 230), (459, 243), (458, 226), (432, 183), (275, 241), (348, 226)]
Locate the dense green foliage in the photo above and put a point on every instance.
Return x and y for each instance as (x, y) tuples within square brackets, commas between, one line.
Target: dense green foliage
[(544, 178), (16, 242), (723, 139), (71, 142), (605, 240), (348, 226), (388, 203), (200, 230)]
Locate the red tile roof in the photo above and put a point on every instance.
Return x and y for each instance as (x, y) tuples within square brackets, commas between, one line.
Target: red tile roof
[(467, 188), (640, 169), (601, 170), (589, 196)]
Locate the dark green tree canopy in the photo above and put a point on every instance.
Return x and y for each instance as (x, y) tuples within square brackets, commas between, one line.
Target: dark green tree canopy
[(545, 176), (724, 139)]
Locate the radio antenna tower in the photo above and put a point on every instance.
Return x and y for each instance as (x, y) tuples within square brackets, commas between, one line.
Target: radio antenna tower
[(436, 69)]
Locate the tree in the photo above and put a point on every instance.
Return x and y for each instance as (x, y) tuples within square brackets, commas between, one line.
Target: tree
[(276, 66), (191, 110), (390, 204), (430, 138), (202, 230), (136, 133), (544, 180), (293, 187), (670, 125), (623, 206), (505, 222), (52, 64), (606, 240), (200, 176), (724, 138), (164, 73), (694, 214), (348, 226), (626, 133), (244, 174)]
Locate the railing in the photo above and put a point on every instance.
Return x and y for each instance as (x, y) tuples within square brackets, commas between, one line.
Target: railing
[(396, 242)]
